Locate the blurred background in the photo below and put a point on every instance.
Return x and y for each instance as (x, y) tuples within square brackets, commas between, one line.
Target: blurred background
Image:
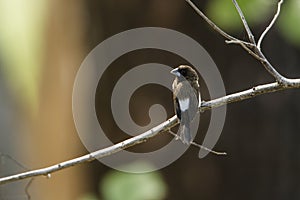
[(42, 44)]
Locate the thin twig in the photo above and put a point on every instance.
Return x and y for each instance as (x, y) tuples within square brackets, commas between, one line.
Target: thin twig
[(211, 23), (248, 30), (250, 45), (218, 153), (209, 150), (247, 49), (27, 188), (270, 25)]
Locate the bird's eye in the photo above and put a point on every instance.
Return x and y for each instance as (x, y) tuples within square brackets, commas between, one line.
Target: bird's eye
[(183, 72)]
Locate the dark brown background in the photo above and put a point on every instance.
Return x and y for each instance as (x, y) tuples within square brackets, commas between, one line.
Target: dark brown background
[(261, 135)]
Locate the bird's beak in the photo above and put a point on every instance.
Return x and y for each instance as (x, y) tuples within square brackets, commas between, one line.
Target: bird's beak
[(175, 72)]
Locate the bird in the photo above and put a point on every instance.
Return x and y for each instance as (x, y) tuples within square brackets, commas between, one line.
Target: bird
[(186, 98)]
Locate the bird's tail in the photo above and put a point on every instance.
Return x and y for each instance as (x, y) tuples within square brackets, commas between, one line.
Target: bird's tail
[(185, 135)]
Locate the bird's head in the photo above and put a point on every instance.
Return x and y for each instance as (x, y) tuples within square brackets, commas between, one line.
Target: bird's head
[(186, 72)]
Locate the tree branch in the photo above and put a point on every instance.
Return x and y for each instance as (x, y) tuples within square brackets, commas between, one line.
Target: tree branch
[(256, 52), (268, 66), (270, 25), (163, 127), (231, 40), (94, 155), (250, 93), (211, 23), (248, 30), (281, 84)]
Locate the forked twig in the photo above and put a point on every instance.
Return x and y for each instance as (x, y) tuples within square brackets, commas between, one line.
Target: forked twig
[(270, 25), (256, 52)]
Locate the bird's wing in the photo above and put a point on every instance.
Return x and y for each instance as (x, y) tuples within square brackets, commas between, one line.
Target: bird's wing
[(177, 107), (186, 100)]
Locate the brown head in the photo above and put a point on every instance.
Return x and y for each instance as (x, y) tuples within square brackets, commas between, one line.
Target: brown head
[(185, 72)]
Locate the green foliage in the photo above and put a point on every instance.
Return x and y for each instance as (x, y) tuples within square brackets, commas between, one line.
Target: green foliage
[(124, 186), (256, 12), (223, 12), (21, 46), (289, 21), (88, 197)]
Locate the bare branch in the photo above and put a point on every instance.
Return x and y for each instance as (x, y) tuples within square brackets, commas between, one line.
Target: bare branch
[(231, 40), (270, 25), (163, 127), (268, 66), (250, 93), (247, 46), (250, 45), (256, 52), (248, 30), (94, 155), (247, 49), (209, 150)]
